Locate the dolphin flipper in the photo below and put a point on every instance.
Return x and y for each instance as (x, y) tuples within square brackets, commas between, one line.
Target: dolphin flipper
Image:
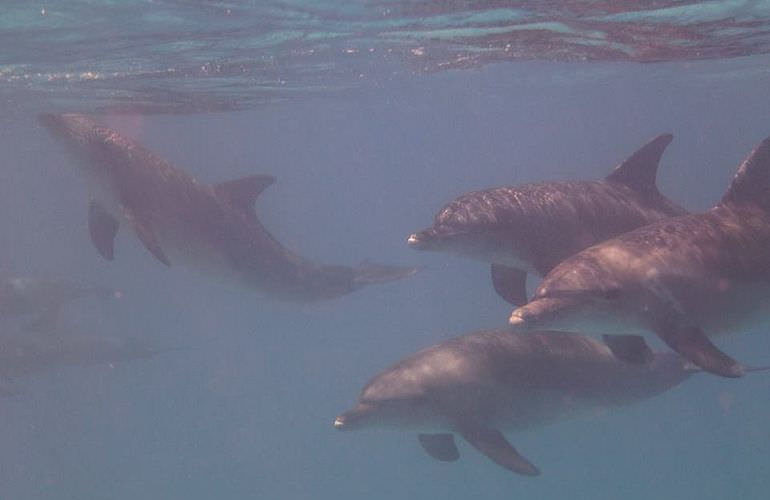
[(439, 446), (103, 227), (694, 345), (510, 284), (148, 239), (629, 348), (493, 444)]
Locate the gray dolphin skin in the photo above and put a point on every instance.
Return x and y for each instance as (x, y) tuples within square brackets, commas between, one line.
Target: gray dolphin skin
[(533, 227), (44, 298), (482, 384), (684, 279), (209, 227)]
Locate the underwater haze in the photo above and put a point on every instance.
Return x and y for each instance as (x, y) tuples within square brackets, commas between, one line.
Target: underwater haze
[(371, 117)]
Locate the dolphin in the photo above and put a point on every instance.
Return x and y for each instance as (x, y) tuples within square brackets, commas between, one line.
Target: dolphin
[(482, 384), (533, 227), (29, 354), (208, 227), (684, 279), (44, 298)]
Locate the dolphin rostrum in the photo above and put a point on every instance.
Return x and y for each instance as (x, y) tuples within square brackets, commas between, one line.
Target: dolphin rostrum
[(485, 383), (685, 279), (44, 298), (210, 227), (533, 227)]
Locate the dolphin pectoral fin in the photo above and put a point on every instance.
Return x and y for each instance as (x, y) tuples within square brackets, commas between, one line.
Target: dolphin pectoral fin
[(103, 227), (243, 193), (493, 444), (439, 446), (629, 348), (147, 237), (510, 284), (694, 345)]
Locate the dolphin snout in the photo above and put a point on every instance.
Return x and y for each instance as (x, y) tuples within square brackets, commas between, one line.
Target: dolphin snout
[(339, 423), (418, 240), (542, 313)]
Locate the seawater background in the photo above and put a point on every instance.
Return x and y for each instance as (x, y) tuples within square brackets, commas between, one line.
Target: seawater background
[(244, 407)]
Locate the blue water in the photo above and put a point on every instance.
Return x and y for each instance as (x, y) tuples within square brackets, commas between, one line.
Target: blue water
[(242, 406)]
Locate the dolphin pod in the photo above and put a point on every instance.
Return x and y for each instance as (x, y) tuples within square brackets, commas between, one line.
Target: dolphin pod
[(684, 279), (618, 259)]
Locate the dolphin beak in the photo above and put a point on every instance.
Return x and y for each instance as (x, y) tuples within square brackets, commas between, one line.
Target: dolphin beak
[(339, 423), (417, 241), (540, 314)]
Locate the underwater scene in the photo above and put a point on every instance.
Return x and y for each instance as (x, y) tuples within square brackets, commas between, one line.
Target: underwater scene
[(293, 249)]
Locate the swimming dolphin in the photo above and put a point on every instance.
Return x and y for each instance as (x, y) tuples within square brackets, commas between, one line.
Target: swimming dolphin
[(684, 279), (481, 384), (44, 298), (531, 228), (209, 227), (27, 354)]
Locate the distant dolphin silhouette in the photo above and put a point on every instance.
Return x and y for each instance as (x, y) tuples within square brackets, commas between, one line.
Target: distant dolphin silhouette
[(43, 298), (533, 227), (212, 228), (685, 279), (480, 384), (28, 354)]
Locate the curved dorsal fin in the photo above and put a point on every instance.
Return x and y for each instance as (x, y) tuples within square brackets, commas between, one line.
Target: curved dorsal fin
[(242, 193), (639, 170), (751, 183)]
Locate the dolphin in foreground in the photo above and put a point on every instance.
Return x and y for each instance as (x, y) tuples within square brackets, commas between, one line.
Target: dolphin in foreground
[(533, 227), (684, 279), (482, 384), (208, 227), (44, 298)]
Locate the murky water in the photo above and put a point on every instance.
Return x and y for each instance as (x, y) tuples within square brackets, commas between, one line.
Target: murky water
[(370, 118)]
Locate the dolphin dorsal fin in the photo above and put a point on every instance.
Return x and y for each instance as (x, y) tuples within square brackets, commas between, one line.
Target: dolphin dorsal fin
[(639, 170), (243, 193), (751, 183)]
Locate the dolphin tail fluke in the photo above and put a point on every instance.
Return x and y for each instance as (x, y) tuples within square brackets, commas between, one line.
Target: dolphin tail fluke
[(510, 284), (493, 444), (439, 446), (370, 273), (694, 345), (753, 369), (751, 183)]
